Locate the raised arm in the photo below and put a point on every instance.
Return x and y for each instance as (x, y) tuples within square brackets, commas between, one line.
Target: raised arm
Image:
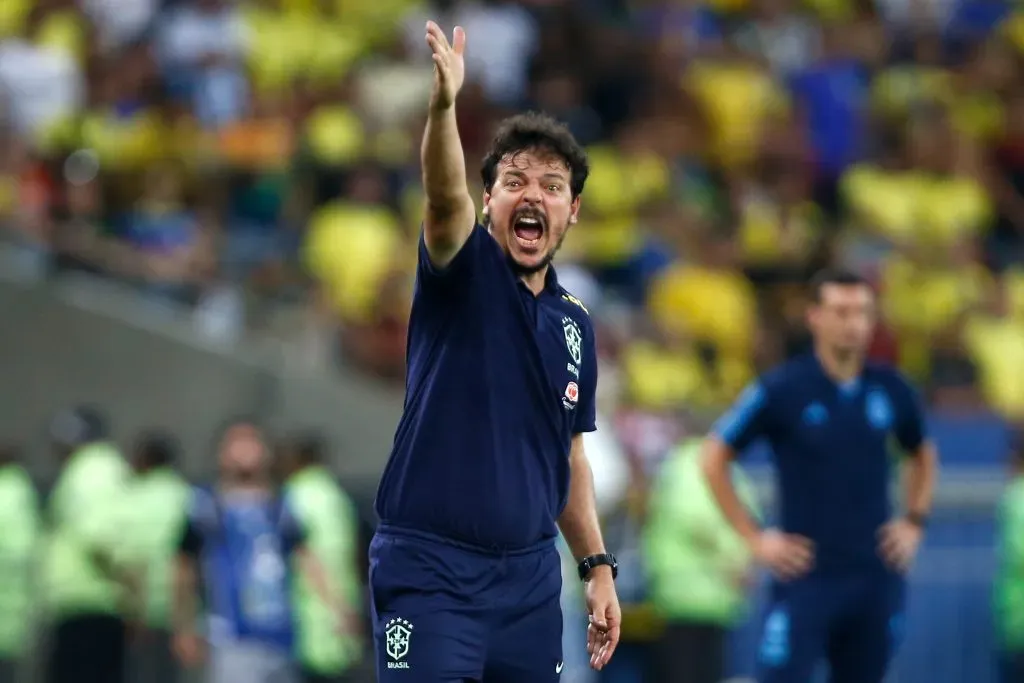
[(450, 214)]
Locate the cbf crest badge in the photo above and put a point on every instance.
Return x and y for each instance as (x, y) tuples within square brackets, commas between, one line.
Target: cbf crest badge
[(397, 634), (573, 339)]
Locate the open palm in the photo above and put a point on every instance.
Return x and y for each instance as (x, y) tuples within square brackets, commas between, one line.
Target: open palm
[(449, 65)]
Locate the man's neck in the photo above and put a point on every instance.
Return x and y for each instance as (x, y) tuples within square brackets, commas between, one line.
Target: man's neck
[(244, 485), (535, 281), (840, 368)]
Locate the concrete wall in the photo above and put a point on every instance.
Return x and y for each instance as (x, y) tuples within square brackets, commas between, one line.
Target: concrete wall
[(65, 344)]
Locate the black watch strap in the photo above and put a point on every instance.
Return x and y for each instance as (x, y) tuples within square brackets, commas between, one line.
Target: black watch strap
[(587, 564)]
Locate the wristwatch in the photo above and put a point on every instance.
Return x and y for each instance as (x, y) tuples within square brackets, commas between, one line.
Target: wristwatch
[(604, 559)]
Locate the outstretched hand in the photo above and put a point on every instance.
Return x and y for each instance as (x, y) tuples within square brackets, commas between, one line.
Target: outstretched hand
[(449, 65), (605, 618)]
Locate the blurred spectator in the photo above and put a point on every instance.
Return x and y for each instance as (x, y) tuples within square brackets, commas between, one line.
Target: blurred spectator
[(19, 515), (332, 531), (172, 249), (927, 291), (254, 159), (249, 636), (202, 48), (739, 98), (1007, 186), (121, 23), (783, 37), (700, 570), (708, 311), (26, 197), (832, 94), (90, 592), (41, 80), (507, 29), (158, 498), (993, 336)]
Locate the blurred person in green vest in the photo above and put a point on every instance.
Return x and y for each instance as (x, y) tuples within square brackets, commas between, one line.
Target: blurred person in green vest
[(699, 569), (88, 592), (158, 501), (1009, 583), (19, 519), (332, 534)]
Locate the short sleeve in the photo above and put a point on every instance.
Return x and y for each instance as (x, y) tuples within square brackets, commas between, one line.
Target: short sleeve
[(461, 268), (293, 533), (202, 514), (191, 540), (911, 424), (747, 420), (586, 409)]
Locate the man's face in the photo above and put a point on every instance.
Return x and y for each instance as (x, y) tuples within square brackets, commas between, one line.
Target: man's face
[(242, 451), (844, 318), (530, 208)]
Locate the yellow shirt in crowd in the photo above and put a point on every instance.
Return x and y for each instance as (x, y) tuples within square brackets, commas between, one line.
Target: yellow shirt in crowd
[(351, 249), (995, 344), (911, 207), (713, 305), (765, 240), (738, 99)]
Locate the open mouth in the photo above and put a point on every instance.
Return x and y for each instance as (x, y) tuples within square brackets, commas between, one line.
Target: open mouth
[(528, 230)]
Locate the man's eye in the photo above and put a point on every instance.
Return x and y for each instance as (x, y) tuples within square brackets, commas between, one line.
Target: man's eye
[(554, 188)]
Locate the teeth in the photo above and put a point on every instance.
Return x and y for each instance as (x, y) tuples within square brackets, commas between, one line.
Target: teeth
[(527, 220)]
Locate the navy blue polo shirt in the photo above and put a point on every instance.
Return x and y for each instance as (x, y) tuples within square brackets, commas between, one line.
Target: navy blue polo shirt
[(832, 446), (498, 382)]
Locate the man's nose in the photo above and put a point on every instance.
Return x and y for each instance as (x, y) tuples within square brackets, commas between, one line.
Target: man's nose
[(533, 195)]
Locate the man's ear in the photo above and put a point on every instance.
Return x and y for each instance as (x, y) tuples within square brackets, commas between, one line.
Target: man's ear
[(574, 216)]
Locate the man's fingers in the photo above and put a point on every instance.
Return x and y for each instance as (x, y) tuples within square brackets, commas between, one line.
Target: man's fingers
[(892, 547), (801, 541), (435, 46), (434, 30), (593, 636), (441, 68), (459, 40), (799, 552), (594, 646), (793, 564), (611, 642), (897, 553)]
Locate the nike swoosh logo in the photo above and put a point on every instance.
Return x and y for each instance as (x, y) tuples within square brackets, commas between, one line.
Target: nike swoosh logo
[(558, 668)]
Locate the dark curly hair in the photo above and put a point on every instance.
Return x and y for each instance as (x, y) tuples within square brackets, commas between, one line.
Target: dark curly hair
[(539, 132)]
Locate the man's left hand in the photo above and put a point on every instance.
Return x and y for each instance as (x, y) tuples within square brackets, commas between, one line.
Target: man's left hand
[(605, 617), (898, 543)]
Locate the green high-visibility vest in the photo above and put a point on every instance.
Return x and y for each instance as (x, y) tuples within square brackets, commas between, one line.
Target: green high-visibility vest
[(696, 562), (158, 503), (87, 515), (19, 520), (1009, 582), (332, 528)]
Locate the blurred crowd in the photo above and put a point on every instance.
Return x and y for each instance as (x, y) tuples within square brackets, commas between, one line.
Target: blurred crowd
[(97, 582), (248, 161), (251, 157)]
